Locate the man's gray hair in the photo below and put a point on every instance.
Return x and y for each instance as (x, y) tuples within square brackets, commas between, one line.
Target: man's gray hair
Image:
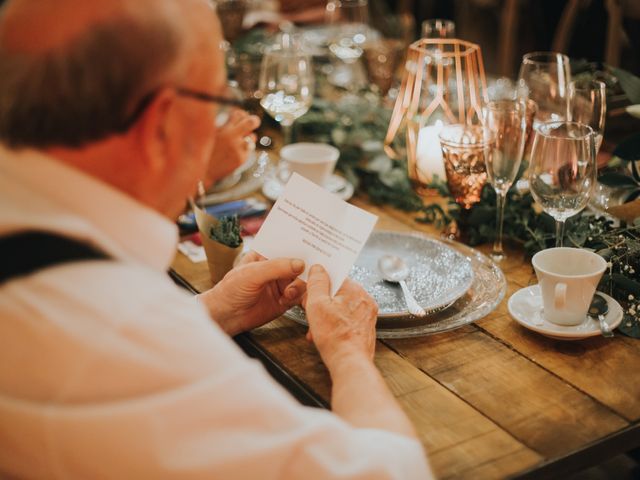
[(85, 90)]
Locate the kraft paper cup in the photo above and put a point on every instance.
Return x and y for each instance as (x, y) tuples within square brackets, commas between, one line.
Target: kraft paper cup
[(220, 258), (568, 278)]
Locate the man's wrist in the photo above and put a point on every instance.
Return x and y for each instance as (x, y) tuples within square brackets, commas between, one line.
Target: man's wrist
[(346, 360), (218, 314)]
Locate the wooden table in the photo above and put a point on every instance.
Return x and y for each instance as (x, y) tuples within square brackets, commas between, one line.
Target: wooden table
[(489, 400)]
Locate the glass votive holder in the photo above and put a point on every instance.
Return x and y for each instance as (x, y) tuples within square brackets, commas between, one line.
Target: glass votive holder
[(465, 151)]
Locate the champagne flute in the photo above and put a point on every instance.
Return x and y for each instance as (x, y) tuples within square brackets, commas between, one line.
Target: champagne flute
[(545, 77), (563, 170), (286, 85), (588, 105), (507, 120)]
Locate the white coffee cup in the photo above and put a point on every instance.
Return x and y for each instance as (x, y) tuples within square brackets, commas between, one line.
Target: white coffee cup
[(568, 278), (315, 161)]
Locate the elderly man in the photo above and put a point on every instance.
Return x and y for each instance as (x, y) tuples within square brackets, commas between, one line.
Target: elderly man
[(107, 370)]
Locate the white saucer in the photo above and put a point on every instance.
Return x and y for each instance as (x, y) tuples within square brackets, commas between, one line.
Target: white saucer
[(525, 306), (272, 187)]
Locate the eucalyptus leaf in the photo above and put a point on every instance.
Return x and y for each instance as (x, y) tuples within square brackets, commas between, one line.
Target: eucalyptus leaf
[(482, 215), (629, 148), (629, 83), (380, 164), (605, 253), (394, 178), (617, 180), (625, 283), (632, 196), (630, 327)]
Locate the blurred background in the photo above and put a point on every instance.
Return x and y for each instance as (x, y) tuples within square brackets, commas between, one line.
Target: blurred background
[(596, 30)]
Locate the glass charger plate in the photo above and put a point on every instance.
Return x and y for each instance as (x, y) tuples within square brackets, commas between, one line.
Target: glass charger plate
[(486, 291)]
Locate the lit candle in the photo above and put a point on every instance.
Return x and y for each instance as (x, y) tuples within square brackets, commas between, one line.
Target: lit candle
[(428, 151)]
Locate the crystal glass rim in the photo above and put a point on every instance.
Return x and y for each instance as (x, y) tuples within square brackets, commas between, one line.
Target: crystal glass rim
[(487, 138), (529, 57), (586, 84), (468, 48), (589, 131)]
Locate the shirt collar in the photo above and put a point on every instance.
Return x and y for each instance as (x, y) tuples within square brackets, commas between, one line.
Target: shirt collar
[(117, 223)]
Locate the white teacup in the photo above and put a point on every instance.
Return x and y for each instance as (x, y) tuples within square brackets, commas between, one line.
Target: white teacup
[(315, 161), (568, 278)]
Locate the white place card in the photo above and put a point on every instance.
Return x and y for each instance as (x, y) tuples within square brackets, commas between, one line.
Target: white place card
[(312, 224)]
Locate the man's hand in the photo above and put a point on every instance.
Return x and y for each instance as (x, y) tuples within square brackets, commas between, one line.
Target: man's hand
[(344, 331), (255, 292), (343, 326), (234, 142)]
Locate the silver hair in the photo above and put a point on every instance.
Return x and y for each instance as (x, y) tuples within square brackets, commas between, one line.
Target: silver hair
[(86, 90)]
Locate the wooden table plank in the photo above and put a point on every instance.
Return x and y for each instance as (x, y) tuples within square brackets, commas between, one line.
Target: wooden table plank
[(454, 447), (535, 406), (489, 400), (596, 366), (601, 367)]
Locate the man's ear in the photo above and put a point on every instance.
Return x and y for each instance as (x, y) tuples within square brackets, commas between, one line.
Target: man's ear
[(153, 130)]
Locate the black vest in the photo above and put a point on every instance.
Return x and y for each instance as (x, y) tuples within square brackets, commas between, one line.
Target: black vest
[(27, 252)]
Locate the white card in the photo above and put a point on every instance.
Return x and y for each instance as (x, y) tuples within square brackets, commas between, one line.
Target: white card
[(312, 224)]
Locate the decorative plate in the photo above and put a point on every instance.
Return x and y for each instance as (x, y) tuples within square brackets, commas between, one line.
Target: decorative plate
[(460, 281)]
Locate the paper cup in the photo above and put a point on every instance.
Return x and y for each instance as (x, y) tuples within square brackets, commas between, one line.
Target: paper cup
[(220, 258)]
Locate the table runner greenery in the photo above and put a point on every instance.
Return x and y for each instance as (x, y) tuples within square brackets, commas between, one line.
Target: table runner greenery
[(358, 126), (357, 129)]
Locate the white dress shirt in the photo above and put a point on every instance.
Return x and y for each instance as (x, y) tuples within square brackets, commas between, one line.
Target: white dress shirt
[(108, 370)]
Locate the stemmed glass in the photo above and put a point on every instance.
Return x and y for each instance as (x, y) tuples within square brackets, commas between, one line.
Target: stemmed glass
[(349, 33), (286, 85), (588, 105), (507, 121), (349, 21), (438, 28), (545, 76), (563, 170)]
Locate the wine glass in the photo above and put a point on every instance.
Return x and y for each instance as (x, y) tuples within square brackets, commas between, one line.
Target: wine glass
[(563, 170), (438, 28), (508, 121), (381, 60), (286, 85), (588, 105), (545, 77), (349, 21), (349, 32)]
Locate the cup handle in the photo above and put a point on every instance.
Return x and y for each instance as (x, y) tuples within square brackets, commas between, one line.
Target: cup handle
[(560, 295)]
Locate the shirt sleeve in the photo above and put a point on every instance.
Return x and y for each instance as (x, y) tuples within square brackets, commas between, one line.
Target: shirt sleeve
[(183, 401)]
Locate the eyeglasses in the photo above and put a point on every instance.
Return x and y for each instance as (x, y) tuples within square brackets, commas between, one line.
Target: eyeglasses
[(185, 92)]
